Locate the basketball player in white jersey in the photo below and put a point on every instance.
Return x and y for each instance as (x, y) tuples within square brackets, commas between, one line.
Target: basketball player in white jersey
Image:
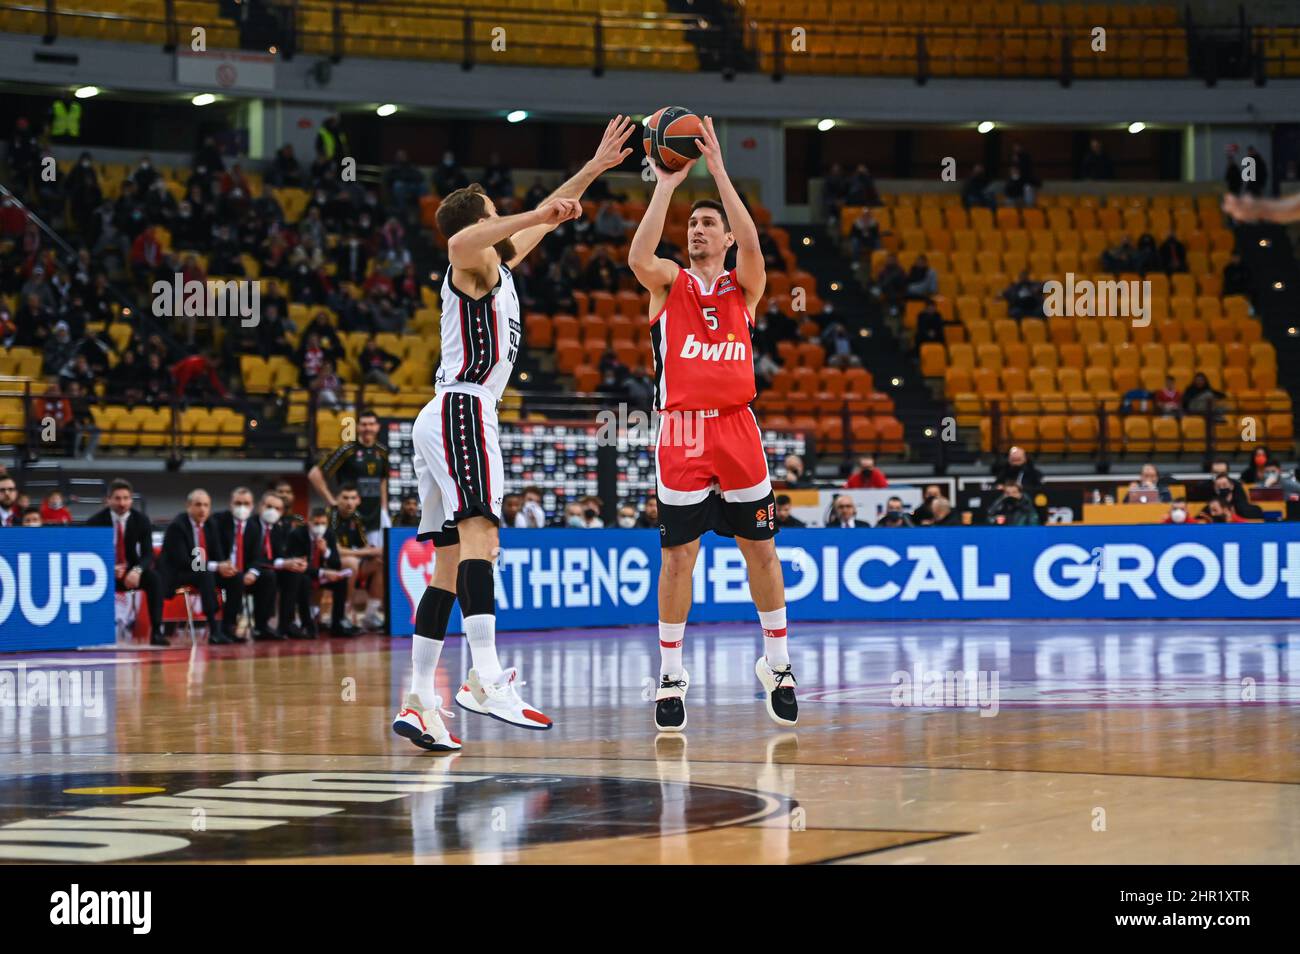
[(457, 454)]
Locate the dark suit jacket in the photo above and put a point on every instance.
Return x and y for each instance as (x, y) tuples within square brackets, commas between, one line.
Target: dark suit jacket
[(856, 523), (300, 542), (254, 554), (178, 545), (137, 537)]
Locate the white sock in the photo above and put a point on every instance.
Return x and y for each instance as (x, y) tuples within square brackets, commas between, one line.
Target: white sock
[(671, 636), (773, 623), (481, 631), (424, 666), (372, 606)]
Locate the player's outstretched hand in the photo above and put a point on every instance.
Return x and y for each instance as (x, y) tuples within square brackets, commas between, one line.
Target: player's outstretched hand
[(710, 148), (1241, 208), (554, 211), (610, 153)]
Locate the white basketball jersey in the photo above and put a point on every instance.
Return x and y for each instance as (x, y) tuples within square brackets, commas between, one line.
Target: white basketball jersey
[(480, 336)]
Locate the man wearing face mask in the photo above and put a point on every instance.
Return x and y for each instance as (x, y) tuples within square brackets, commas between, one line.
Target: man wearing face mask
[(273, 571), (649, 513), (237, 543), (315, 545), (627, 516), (1177, 512), (1235, 499)]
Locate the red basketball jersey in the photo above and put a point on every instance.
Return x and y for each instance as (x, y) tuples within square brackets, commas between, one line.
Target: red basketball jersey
[(703, 345)]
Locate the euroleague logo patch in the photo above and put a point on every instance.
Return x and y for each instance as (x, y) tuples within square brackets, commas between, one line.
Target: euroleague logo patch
[(765, 518)]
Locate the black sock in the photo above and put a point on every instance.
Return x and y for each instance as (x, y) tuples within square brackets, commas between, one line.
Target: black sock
[(474, 588), (433, 612)]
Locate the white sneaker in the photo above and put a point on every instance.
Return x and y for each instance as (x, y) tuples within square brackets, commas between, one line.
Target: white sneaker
[(373, 621), (500, 700), (424, 727), (779, 692), (670, 702)]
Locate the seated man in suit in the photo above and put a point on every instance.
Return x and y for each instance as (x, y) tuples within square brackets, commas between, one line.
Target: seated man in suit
[(845, 514), (317, 546), (238, 543), (274, 571), (190, 557), (133, 553)]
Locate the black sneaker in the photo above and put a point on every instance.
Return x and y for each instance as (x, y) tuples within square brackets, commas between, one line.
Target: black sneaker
[(779, 685), (670, 703)]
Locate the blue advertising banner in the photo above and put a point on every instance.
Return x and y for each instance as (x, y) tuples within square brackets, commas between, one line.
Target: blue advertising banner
[(561, 578), (56, 587)]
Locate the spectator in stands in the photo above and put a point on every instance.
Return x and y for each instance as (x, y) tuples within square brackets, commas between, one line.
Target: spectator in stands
[(327, 386), (601, 274), (190, 540), (1017, 189), (784, 518), (498, 183), (1177, 512), (1236, 276), (1121, 258), (1147, 257), (844, 514), (896, 515), (1234, 497), (409, 513), (532, 514), (922, 513), (317, 544), (862, 188), (285, 172), (1216, 511), (23, 155), (930, 326), (867, 474), (1096, 164), (1200, 397), (59, 349), (8, 328), (864, 236), (835, 192), (591, 509), (609, 225), (1024, 297), (32, 517), (573, 516), (1017, 469), (1273, 477), (626, 516), (891, 521), (404, 182), (84, 196), (639, 387), (10, 514), (795, 477), (1013, 508), (156, 382), (1020, 157), (978, 189), (922, 281), (1173, 254), (1258, 185), (535, 195), (449, 176), (1259, 462), (377, 364), (942, 514), (1149, 482), (53, 510), (53, 411), (511, 506), (1169, 400)]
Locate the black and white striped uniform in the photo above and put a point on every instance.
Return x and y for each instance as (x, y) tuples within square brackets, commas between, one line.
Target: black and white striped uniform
[(457, 455)]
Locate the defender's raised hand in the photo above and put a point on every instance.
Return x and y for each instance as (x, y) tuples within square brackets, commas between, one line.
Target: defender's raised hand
[(556, 210), (611, 153)]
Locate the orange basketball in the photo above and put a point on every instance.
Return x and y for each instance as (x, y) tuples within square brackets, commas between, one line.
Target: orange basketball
[(670, 136)]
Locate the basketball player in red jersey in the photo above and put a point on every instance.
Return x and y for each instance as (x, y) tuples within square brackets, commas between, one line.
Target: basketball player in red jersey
[(710, 465)]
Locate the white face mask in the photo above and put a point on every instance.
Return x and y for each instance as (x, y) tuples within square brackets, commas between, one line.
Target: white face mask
[(1178, 516), (318, 530), (627, 523), (242, 511), (575, 521), (270, 515)]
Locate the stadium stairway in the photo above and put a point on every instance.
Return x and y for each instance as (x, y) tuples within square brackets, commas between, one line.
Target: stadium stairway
[(1270, 256), (882, 351)]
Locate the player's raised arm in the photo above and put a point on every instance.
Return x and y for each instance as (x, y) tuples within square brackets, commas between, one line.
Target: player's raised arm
[(1247, 208), (655, 273), (750, 268), (608, 155), (468, 249)]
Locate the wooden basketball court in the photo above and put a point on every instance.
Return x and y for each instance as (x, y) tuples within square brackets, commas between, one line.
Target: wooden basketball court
[(1099, 742)]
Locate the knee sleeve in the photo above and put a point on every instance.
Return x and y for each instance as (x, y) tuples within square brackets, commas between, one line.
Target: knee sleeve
[(433, 612), (474, 588)]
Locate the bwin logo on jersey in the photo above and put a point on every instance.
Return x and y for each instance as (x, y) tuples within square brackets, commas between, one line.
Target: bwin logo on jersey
[(720, 351)]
